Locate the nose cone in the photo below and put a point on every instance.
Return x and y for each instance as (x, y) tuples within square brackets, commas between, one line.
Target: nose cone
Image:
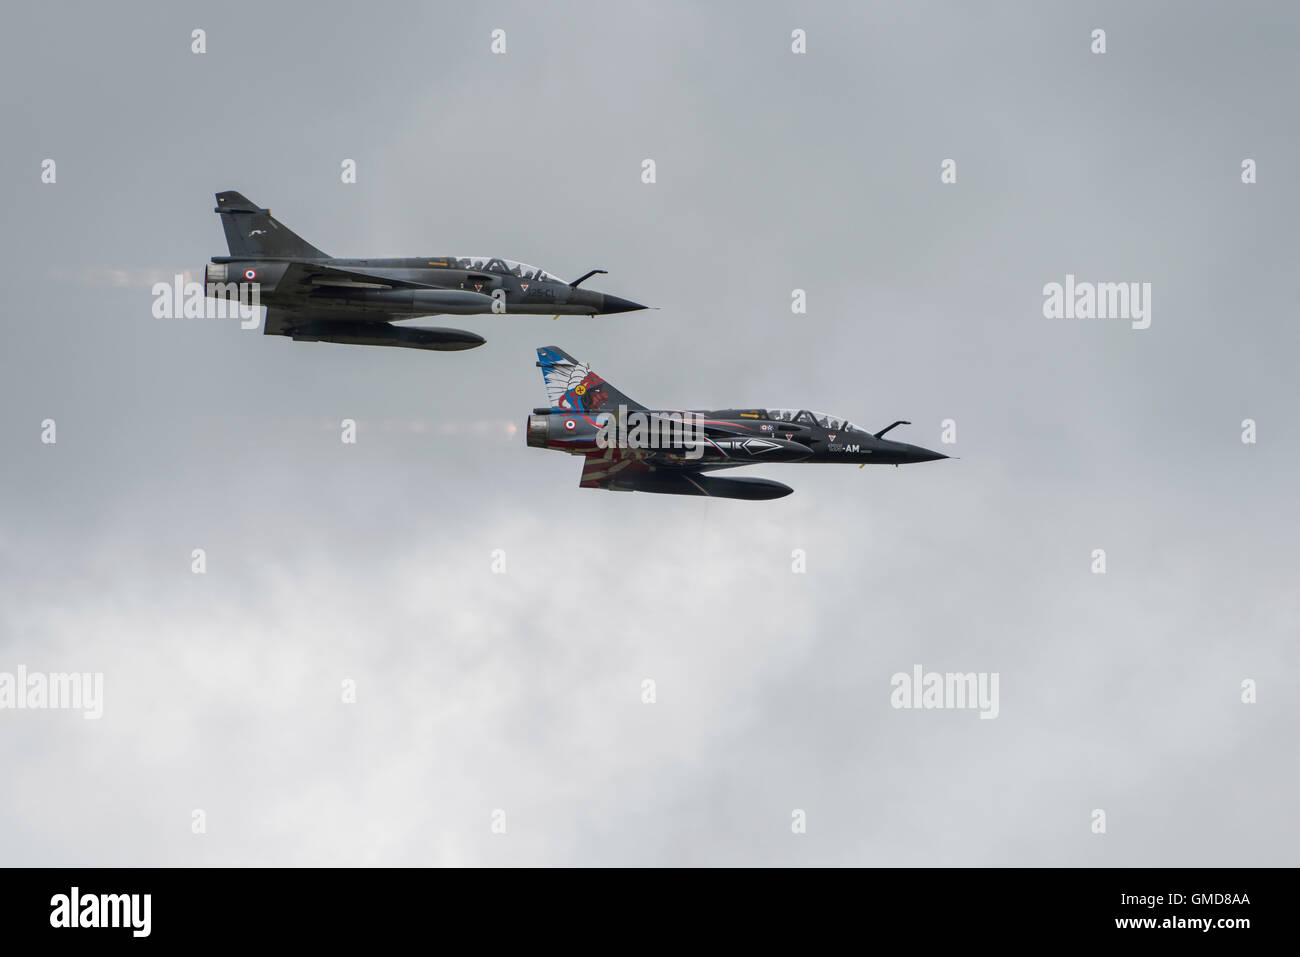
[(914, 453), (900, 453), (615, 304)]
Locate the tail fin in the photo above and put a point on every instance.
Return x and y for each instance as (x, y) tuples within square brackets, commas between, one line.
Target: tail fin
[(573, 387), (253, 233)]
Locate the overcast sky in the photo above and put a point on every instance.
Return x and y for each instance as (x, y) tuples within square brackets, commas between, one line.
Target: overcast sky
[(522, 691)]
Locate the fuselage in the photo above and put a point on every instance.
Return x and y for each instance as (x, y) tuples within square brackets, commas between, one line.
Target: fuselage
[(464, 285), (696, 439)]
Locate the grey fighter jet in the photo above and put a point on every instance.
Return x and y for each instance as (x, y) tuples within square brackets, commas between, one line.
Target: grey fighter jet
[(311, 296), (628, 447)]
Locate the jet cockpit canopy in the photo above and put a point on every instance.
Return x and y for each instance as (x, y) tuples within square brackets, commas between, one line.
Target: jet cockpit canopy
[(804, 417), (505, 267)]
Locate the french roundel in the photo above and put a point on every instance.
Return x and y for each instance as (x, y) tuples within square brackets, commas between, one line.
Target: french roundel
[(570, 424), (250, 274)]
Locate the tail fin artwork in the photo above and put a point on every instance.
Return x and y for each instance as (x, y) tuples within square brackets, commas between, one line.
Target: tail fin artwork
[(253, 233), (571, 386)]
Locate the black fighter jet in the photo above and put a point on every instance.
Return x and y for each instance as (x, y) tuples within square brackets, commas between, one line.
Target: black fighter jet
[(314, 297), (628, 447)]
